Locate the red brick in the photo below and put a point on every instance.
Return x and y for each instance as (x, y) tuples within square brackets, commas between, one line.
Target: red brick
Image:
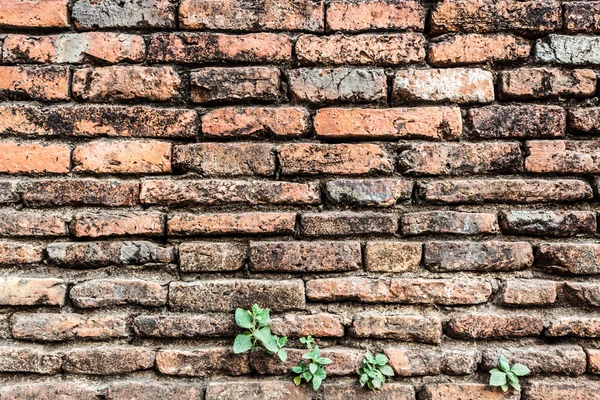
[(42, 83), (568, 258), (340, 159), (34, 157), (460, 158), (353, 16), (256, 390), (478, 191), (118, 224), (235, 85), (409, 328), (298, 256), (211, 256), (344, 390), (184, 326), (548, 223), (144, 14), (208, 192), (484, 326), (196, 48), (385, 256), (414, 362), (225, 295), (229, 159), (74, 48), (367, 49), (32, 291), (529, 292), (300, 15), (22, 223), (574, 327), (347, 223), (585, 120), (477, 49), (465, 391), (436, 123), (126, 82), (94, 121), (17, 253), (562, 156), (75, 192), (202, 362), (528, 17), (108, 360), (583, 293), (255, 122), (449, 222), (556, 360), (317, 325), (523, 121), (340, 85), (251, 223), (50, 391), (153, 390), (584, 390), (542, 83), (34, 14), (368, 192), (62, 327), (114, 292), (345, 361), (136, 156), (27, 359), (397, 290), (581, 16)]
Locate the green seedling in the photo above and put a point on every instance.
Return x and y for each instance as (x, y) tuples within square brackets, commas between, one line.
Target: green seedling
[(313, 370), (373, 370), (258, 333), (506, 376)]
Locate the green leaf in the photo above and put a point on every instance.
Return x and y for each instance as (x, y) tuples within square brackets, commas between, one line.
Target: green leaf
[(267, 340), (307, 376), (387, 370), (503, 364), (321, 373), (262, 317), (381, 359), (520, 369), (369, 357), (504, 388), (313, 354), (313, 368), (282, 355), (324, 361), (297, 369), (515, 385), (242, 343), (316, 383), (282, 341), (497, 378), (298, 380), (363, 379), (243, 318), (511, 377), (377, 383)]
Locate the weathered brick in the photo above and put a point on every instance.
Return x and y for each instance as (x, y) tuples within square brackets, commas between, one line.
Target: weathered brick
[(184, 326), (368, 192), (484, 326), (211, 256), (76, 192), (388, 256), (353, 16), (237, 84), (108, 360), (339, 159), (34, 14), (408, 328), (318, 325), (28, 359), (105, 253), (50, 391), (202, 362), (345, 361), (584, 390), (431, 85), (125, 82), (460, 158), (366, 49), (97, 120), (529, 292), (27, 82), (32, 291), (437, 123), (8, 192), (195, 48), (18, 253), (74, 48), (414, 362), (341, 85), (141, 14), (227, 294), (118, 224), (569, 50), (480, 191), (477, 256), (585, 120), (568, 258), (583, 293), (477, 49), (548, 223), (154, 390), (460, 361), (251, 223), (255, 122), (449, 222), (229, 159), (347, 223), (574, 326), (397, 290), (523, 121), (34, 157), (562, 156), (256, 390), (298, 256), (184, 192), (528, 17), (32, 224), (555, 360), (342, 390), (542, 83), (62, 327), (113, 292), (582, 16), (465, 391)]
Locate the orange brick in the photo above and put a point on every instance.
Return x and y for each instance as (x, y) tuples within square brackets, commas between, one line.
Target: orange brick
[(44, 83), (34, 13), (366, 15), (34, 157)]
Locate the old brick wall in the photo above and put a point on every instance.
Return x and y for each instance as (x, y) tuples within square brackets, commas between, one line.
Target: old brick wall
[(411, 177)]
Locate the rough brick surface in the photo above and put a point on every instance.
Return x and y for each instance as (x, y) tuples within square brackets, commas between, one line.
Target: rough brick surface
[(366, 15), (542, 83)]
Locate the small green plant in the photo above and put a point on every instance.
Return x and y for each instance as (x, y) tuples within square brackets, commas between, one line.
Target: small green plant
[(259, 332), (505, 376), (314, 370), (373, 370)]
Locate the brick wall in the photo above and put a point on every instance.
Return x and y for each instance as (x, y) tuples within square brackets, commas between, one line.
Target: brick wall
[(414, 178)]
